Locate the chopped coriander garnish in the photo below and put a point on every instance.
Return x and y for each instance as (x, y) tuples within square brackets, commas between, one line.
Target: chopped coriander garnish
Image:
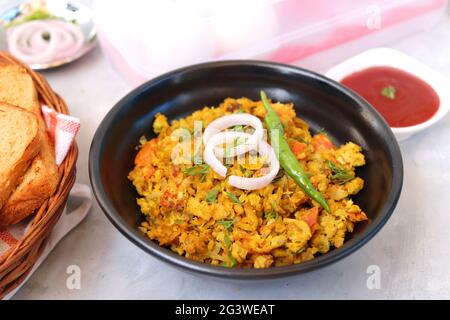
[(142, 140), (246, 173), (339, 175), (197, 169), (322, 131), (238, 128), (227, 240), (38, 14), (302, 140), (231, 260), (389, 92), (233, 197), (227, 224), (272, 214), (211, 196)]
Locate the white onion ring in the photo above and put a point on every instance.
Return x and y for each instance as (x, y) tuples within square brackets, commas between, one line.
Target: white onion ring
[(26, 41), (264, 149), (71, 38), (215, 140), (231, 120), (18, 42)]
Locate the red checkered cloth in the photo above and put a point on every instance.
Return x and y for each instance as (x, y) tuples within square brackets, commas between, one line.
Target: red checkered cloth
[(63, 129)]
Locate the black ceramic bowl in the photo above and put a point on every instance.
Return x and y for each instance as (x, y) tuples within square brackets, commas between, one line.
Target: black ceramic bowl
[(322, 102)]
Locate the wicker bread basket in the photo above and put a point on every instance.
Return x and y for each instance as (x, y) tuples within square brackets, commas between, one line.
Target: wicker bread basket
[(19, 260)]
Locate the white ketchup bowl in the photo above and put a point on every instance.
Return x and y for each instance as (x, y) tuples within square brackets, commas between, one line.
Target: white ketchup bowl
[(396, 59)]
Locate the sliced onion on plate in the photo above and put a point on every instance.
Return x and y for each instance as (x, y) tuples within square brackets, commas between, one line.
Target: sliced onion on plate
[(44, 41), (21, 38)]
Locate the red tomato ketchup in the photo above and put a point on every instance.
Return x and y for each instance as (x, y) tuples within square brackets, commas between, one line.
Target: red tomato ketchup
[(402, 98)]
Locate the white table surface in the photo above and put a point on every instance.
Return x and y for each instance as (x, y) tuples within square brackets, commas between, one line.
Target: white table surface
[(412, 250)]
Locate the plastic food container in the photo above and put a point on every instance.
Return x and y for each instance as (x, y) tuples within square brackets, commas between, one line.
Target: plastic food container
[(397, 59), (143, 39)]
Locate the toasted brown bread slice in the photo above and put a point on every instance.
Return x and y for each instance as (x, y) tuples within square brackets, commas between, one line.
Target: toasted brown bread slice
[(17, 88), (40, 181), (19, 145), (38, 184)]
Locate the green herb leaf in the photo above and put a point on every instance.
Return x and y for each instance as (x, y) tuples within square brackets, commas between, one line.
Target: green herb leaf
[(233, 197), (272, 214), (389, 92), (231, 260), (227, 241), (211, 196), (322, 131), (197, 169), (227, 224), (339, 175), (245, 173), (238, 128), (38, 14), (142, 140), (302, 140)]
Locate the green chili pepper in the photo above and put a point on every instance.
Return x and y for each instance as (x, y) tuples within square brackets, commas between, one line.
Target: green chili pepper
[(287, 159)]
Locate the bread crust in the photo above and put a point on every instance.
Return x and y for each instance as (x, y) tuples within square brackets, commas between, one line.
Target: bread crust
[(10, 177), (40, 181), (38, 184)]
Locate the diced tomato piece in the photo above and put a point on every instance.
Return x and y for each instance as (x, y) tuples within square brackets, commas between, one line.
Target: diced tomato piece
[(147, 153), (167, 195), (356, 216), (311, 218), (175, 170), (322, 142), (166, 203), (284, 111), (150, 171), (298, 147)]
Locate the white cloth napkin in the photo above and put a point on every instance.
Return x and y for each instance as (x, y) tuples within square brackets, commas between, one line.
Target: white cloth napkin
[(69, 220)]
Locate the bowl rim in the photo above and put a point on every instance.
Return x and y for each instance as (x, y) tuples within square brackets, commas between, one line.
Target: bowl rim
[(185, 264)]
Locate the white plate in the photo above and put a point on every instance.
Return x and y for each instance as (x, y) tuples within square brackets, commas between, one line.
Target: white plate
[(397, 59)]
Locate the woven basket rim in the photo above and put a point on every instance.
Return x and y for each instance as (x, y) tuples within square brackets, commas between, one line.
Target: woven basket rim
[(18, 261)]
